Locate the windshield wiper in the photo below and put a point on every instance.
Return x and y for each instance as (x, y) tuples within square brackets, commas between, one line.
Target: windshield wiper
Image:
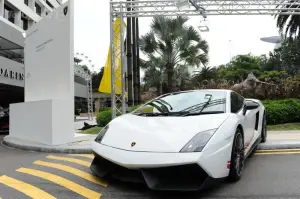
[(163, 114), (203, 113)]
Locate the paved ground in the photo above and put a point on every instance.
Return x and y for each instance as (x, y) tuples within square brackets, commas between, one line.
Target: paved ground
[(269, 174)]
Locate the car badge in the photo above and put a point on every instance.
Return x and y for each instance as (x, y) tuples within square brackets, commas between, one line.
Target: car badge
[(133, 144)]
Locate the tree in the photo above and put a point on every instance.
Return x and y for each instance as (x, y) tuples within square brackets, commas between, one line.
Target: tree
[(206, 73), (172, 43), (288, 24), (290, 55), (239, 68), (96, 79)]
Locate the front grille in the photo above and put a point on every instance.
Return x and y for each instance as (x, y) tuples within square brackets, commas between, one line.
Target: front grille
[(183, 177), (104, 168)]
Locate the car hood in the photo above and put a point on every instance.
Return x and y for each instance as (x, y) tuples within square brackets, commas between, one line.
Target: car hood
[(158, 134)]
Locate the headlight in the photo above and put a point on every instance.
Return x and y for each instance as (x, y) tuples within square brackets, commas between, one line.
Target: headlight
[(198, 142), (101, 134)]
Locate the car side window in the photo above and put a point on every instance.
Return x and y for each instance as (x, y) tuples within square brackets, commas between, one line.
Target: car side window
[(237, 102)]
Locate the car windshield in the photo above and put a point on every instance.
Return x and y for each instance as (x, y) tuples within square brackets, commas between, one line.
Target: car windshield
[(185, 104)]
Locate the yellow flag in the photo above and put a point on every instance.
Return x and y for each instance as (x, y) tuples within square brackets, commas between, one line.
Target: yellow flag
[(105, 84)]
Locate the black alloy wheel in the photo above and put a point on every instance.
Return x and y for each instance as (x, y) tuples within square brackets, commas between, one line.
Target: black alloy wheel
[(237, 157)]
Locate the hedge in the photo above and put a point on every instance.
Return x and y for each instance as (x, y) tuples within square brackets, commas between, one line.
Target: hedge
[(278, 112), (282, 111)]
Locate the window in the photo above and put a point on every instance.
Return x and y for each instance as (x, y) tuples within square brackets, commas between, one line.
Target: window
[(49, 4), (26, 2), (237, 102), (38, 9), (24, 23), (191, 103), (9, 14)]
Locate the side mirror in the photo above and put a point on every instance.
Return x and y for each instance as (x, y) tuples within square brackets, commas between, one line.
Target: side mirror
[(250, 105)]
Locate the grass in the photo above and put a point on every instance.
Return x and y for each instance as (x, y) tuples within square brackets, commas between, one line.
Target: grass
[(91, 131), (284, 127)]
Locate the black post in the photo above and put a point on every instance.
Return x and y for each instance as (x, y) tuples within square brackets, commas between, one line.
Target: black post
[(135, 95), (129, 59), (138, 62)]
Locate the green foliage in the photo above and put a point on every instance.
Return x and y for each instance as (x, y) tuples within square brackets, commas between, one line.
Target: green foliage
[(282, 111), (103, 118), (133, 108), (170, 43), (104, 109), (105, 115), (96, 79)]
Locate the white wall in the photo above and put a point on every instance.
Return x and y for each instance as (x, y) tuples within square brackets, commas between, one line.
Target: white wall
[(80, 90), (47, 115), (49, 62), (46, 122), (9, 65), (11, 72), (11, 32)]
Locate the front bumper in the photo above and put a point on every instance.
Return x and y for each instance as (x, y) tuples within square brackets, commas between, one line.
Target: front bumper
[(161, 171), (189, 177)]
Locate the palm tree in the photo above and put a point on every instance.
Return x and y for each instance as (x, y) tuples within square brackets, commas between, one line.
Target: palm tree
[(173, 43), (154, 72), (206, 73), (288, 24)]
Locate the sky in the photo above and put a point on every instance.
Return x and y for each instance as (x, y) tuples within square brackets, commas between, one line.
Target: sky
[(228, 35)]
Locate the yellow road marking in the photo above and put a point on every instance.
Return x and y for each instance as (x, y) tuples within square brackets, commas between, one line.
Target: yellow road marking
[(61, 181), (73, 160), (73, 171), (91, 156), (25, 188), (278, 153), (276, 150)]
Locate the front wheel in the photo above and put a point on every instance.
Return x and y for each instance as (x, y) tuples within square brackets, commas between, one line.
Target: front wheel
[(237, 157), (264, 129)]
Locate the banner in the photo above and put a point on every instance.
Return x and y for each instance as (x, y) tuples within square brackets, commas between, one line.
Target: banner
[(105, 84)]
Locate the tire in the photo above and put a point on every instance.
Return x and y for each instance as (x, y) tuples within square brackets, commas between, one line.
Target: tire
[(264, 131), (237, 157)]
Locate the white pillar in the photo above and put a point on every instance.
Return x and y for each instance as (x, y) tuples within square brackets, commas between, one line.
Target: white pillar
[(18, 21), (31, 4), (43, 11), (1, 8), (30, 23)]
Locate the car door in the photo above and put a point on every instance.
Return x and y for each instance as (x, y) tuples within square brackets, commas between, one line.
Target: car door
[(237, 106), (251, 120)]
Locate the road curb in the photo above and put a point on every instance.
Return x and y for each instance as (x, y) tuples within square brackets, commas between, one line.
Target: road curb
[(279, 145), (47, 149)]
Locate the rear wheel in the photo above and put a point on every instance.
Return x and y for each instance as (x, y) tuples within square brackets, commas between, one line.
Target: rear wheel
[(237, 157), (264, 129)]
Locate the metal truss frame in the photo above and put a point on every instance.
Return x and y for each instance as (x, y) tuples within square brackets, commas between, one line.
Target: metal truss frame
[(204, 8), (88, 78)]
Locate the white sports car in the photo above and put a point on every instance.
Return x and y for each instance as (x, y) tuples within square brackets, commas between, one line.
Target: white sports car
[(182, 140)]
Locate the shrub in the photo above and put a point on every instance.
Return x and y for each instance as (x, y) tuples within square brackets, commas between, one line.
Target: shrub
[(103, 118), (282, 111), (104, 109), (134, 108)]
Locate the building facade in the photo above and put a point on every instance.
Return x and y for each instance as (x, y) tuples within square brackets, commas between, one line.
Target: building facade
[(16, 16)]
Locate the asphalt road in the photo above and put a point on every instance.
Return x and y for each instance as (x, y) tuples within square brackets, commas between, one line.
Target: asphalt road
[(26, 174)]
